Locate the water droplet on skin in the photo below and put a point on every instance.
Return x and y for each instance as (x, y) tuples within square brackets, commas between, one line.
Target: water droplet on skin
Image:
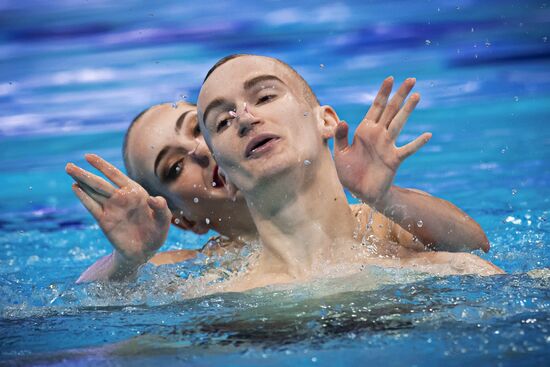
[(428, 42), (307, 162), (195, 200), (306, 113), (419, 223), (207, 221)]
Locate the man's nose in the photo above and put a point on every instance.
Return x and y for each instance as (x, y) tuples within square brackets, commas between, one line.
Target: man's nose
[(201, 155), (246, 122)]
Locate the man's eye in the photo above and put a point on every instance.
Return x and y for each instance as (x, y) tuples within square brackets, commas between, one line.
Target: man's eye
[(174, 171), (223, 124), (265, 98)]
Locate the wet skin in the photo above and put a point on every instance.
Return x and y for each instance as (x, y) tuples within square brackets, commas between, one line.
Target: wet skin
[(262, 131)]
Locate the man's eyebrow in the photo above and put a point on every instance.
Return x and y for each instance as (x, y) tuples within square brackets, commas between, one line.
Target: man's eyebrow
[(218, 102), (250, 83), (161, 155), (180, 120)]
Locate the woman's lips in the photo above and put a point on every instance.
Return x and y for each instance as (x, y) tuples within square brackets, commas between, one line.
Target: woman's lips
[(217, 181), (260, 144)]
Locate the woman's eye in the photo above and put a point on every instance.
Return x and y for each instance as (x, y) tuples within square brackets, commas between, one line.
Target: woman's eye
[(265, 98), (175, 170)]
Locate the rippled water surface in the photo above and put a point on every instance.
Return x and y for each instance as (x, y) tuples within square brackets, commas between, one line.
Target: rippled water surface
[(74, 73)]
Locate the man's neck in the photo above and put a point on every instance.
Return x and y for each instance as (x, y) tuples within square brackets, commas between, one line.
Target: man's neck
[(302, 218), (239, 226)]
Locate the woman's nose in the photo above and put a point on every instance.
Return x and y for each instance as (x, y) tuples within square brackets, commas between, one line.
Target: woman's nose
[(201, 155)]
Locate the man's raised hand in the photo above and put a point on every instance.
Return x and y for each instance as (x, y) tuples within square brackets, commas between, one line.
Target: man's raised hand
[(368, 166)]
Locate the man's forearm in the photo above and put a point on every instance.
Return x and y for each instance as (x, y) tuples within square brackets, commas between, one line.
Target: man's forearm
[(111, 267), (435, 222)]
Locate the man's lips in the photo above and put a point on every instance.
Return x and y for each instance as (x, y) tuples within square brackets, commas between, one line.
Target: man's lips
[(259, 144), (217, 181)]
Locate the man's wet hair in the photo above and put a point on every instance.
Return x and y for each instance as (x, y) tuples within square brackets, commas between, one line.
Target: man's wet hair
[(310, 96), (127, 165)]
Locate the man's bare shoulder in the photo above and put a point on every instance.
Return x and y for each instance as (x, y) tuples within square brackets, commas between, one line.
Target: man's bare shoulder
[(458, 263)]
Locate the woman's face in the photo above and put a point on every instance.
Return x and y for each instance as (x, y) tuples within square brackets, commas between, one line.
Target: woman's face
[(167, 153)]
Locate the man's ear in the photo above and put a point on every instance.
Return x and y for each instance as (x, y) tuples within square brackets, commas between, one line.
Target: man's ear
[(328, 121), (228, 185)]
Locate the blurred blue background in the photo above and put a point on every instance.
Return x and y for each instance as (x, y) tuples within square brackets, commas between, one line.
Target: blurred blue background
[(73, 74)]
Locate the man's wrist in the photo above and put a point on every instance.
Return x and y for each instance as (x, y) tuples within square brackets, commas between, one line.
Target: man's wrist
[(386, 201)]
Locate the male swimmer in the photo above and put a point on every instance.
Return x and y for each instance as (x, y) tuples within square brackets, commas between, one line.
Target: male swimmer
[(270, 136)]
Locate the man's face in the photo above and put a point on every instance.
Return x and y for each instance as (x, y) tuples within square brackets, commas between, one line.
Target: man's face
[(167, 151), (257, 121)]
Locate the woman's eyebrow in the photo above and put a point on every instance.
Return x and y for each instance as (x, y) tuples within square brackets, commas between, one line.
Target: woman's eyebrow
[(180, 120), (251, 83), (161, 155)]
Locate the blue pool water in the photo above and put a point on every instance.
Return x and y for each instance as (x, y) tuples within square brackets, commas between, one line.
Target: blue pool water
[(74, 73)]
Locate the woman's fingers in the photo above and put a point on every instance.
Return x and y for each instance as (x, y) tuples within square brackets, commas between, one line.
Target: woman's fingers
[(161, 213), (96, 183), (112, 173), (411, 148), (100, 199), (401, 118), (93, 207), (379, 103), (397, 100)]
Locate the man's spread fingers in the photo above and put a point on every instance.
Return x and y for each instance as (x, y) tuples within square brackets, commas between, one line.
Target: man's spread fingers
[(411, 148), (341, 136), (93, 207), (379, 103), (97, 183), (401, 118), (112, 173), (397, 100)]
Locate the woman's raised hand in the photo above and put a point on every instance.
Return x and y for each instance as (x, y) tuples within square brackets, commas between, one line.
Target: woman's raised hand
[(135, 223)]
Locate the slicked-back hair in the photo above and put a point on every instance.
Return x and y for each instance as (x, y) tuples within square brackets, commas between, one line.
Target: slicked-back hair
[(310, 96), (125, 143), (125, 157)]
